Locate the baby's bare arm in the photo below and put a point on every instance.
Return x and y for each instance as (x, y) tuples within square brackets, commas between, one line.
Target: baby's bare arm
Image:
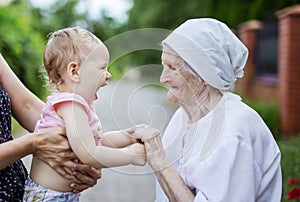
[(83, 144), (117, 139)]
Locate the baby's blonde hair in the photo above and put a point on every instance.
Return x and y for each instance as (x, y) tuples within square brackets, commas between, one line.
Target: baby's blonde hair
[(65, 46)]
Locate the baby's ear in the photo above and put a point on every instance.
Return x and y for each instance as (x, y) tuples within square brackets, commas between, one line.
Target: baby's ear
[(73, 71)]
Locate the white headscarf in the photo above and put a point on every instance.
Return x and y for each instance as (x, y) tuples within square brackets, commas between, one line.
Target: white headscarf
[(211, 49)]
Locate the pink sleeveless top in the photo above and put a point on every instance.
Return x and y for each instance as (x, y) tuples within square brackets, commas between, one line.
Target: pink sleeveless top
[(50, 118)]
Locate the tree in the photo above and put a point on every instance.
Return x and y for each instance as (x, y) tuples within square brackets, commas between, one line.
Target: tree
[(61, 14), (169, 14), (23, 34), (21, 45)]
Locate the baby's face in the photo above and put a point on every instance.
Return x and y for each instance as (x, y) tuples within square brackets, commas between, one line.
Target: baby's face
[(93, 71)]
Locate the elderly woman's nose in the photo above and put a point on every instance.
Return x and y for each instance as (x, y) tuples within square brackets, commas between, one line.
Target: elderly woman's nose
[(164, 77)]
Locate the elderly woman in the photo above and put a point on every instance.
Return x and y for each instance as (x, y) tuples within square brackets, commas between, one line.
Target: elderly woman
[(215, 147)]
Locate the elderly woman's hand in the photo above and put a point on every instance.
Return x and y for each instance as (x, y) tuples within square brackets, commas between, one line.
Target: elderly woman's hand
[(156, 156)]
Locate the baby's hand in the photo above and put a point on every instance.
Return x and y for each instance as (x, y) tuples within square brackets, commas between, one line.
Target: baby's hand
[(129, 133), (138, 152), (143, 132)]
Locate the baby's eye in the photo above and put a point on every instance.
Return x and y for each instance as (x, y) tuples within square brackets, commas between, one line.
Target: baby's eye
[(103, 67)]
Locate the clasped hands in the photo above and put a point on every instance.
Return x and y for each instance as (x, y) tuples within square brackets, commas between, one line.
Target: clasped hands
[(143, 132), (150, 137), (52, 147)]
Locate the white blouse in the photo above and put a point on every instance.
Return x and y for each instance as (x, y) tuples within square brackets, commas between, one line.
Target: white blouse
[(227, 156)]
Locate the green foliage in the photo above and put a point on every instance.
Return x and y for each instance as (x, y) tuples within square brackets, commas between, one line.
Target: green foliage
[(269, 113), (21, 45), (170, 14), (290, 161), (64, 13), (24, 29), (60, 15)]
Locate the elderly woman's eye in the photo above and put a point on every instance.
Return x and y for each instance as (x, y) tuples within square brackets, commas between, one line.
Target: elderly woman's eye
[(171, 67)]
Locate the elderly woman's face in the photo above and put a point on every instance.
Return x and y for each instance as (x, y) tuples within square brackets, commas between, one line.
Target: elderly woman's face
[(176, 73)]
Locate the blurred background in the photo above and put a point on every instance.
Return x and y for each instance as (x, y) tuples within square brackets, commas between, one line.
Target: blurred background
[(25, 25), (270, 30)]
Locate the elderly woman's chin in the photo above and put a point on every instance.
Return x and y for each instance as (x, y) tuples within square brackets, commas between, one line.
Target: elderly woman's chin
[(171, 97)]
